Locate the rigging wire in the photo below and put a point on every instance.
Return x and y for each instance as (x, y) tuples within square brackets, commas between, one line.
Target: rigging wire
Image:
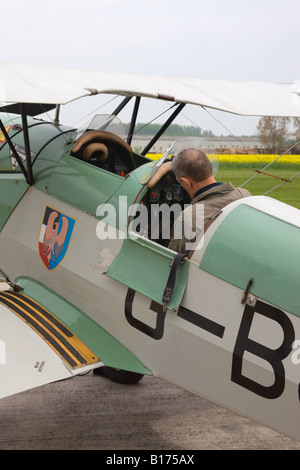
[(227, 130), (221, 124), (236, 138), (278, 186), (97, 109), (9, 115), (269, 164), (150, 122), (197, 125), (205, 109)]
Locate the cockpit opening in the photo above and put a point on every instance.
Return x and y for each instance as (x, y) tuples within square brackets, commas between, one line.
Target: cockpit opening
[(164, 201), (104, 150)]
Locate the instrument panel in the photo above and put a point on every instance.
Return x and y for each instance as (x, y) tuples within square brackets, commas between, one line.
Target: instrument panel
[(167, 191)]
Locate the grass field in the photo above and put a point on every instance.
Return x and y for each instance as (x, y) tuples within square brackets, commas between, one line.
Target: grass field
[(288, 192), (240, 168)]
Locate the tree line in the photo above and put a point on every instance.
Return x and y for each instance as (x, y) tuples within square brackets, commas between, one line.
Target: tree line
[(276, 133)]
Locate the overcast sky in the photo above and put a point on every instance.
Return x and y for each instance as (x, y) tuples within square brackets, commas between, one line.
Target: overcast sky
[(226, 39)]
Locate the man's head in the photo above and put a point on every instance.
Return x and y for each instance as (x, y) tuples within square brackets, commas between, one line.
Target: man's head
[(192, 169)]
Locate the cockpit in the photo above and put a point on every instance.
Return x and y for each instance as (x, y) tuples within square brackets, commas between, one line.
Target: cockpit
[(104, 150), (163, 197)]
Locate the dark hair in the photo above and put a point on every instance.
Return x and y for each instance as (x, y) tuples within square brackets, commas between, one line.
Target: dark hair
[(192, 163)]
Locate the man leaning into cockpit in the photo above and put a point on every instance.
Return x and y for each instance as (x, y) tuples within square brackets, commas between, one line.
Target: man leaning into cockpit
[(193, 170)]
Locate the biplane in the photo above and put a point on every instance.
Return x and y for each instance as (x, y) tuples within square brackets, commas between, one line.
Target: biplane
[(84, 287)]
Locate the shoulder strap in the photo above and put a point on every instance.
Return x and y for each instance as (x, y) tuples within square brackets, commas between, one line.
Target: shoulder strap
[(168, 292)]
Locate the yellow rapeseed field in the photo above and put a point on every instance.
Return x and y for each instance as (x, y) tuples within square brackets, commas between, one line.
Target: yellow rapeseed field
[(245, 159), (238, 168), (249, 159)]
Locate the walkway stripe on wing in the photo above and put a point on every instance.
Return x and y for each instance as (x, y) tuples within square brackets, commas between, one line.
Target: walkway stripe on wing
[(68, 346)]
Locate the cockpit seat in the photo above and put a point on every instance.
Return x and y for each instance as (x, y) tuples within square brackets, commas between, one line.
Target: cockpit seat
[(105, 150)]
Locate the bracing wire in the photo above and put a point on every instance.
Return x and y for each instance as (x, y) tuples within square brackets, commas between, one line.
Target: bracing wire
[(283, 182), (229, 131), (154, 119), (269, 164), (236, 138), (224, 127), (97, 109)]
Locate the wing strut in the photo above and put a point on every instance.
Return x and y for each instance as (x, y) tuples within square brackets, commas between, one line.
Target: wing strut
[(27, 144), (26, 172), (121, 105), (133, 119), (163, 128), (13, 150)]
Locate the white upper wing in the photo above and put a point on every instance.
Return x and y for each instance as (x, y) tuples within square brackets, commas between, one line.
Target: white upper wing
[(20, 83)]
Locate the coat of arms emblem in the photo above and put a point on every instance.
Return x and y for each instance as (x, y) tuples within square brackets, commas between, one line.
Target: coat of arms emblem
[(55, 236)]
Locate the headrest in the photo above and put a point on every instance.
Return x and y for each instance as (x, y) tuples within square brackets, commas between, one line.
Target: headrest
[(102, 137), (101, 149)]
